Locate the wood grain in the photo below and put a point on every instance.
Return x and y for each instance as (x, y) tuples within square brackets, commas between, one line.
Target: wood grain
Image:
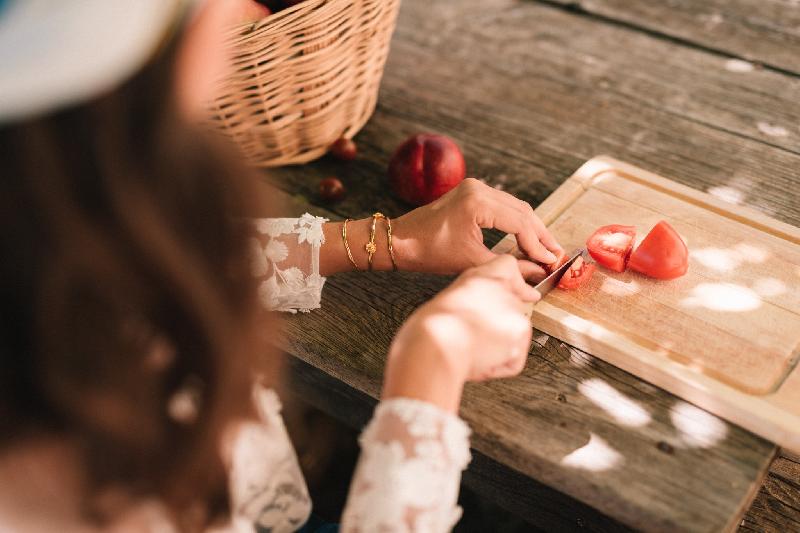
[(516, 492), (747, 348), (532, 423), (546, 90), (713, 336), (530, 92), (339, 354), (776, 509), (762, 31)]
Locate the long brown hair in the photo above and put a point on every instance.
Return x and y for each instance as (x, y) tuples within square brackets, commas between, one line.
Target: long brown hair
[(125, 289)]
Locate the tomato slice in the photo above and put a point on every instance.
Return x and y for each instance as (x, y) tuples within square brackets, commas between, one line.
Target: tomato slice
[(560, 260), (662, 254), (578, 273), (611, 246)]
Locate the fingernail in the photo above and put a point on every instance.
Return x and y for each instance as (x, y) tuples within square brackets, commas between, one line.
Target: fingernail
[(550, 256)]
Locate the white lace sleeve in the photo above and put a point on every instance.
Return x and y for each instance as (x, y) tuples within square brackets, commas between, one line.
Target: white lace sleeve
[(286, 260), (407, 478), (268, 492)]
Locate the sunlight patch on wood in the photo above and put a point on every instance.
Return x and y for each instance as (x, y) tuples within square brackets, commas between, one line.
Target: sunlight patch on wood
[(723, 297), (751, 254), (697, 428), (618, 287), (716, 258), (727, 194), (728, 259), (595, 456), (768, 287), (738, 65), (585, 326), (772, 130), (621, 408)]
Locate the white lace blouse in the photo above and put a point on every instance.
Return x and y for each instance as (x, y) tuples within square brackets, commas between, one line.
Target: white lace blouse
[(412, 452)]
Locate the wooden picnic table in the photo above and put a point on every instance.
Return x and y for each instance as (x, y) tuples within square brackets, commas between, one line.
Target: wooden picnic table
[(706, 93)]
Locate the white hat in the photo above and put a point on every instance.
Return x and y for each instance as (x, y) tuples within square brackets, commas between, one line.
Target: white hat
[(54, 53)]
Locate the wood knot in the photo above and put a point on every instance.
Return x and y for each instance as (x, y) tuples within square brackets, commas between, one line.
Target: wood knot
[(665, 447)]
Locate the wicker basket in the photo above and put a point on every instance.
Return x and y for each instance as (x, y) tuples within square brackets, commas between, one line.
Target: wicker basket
[(305, 77)]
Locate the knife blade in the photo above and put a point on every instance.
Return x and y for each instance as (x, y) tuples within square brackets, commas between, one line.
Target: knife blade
[(550, 282)]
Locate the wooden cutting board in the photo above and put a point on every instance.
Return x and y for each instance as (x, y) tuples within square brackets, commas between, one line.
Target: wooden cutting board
[(726, 336)]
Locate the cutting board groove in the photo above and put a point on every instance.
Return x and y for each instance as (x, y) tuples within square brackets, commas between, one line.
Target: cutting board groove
[(725, 336)]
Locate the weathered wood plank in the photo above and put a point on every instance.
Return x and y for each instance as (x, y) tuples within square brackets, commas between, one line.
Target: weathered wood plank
[(776, 509), (512, 82), (516, 492), (771, 511), (345, 383), (763, 31), (338, 364), (547, 90), (539, 424), (546, 84)]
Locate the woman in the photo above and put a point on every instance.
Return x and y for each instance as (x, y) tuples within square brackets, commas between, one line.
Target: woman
[(129, 316)]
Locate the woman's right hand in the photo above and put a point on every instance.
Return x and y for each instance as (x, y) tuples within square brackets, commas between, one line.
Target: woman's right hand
[(478, 328)]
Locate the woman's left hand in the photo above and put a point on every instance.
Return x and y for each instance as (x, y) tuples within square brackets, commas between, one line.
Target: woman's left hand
[(445, 237)]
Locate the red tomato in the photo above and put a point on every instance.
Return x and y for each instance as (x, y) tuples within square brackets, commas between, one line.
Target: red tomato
[(560, 260), (578, 273), (611, 246), (662, 254)]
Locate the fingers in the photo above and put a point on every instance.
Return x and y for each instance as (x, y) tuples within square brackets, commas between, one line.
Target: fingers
[(518, 357), (544, 234), (536, 240), (511, 219), (531, 272), (500, 210), (507, 269)]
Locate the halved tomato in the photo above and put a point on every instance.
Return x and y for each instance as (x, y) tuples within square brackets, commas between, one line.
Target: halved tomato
[(578, 273), (662, 254), (611, 246), (560, 260)]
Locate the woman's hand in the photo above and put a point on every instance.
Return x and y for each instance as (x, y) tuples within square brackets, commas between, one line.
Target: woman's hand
[(445, 236), (478, 328)]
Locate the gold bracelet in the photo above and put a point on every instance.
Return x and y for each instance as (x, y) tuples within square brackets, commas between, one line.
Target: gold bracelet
[(347, 246), (370, 246), (389, 239)]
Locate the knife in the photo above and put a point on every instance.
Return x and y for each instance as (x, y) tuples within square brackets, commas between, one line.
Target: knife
[(550, 282)]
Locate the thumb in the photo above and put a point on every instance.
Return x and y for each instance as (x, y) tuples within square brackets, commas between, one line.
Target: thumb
[(531, 272), (481, 254), (509, 269)]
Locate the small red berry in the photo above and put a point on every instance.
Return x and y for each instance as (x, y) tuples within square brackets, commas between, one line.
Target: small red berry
[(331, 190), (344, 149)]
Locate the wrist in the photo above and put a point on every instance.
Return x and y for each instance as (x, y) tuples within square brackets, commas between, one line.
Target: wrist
[(425, 370), (333, 256), (405, 245)]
